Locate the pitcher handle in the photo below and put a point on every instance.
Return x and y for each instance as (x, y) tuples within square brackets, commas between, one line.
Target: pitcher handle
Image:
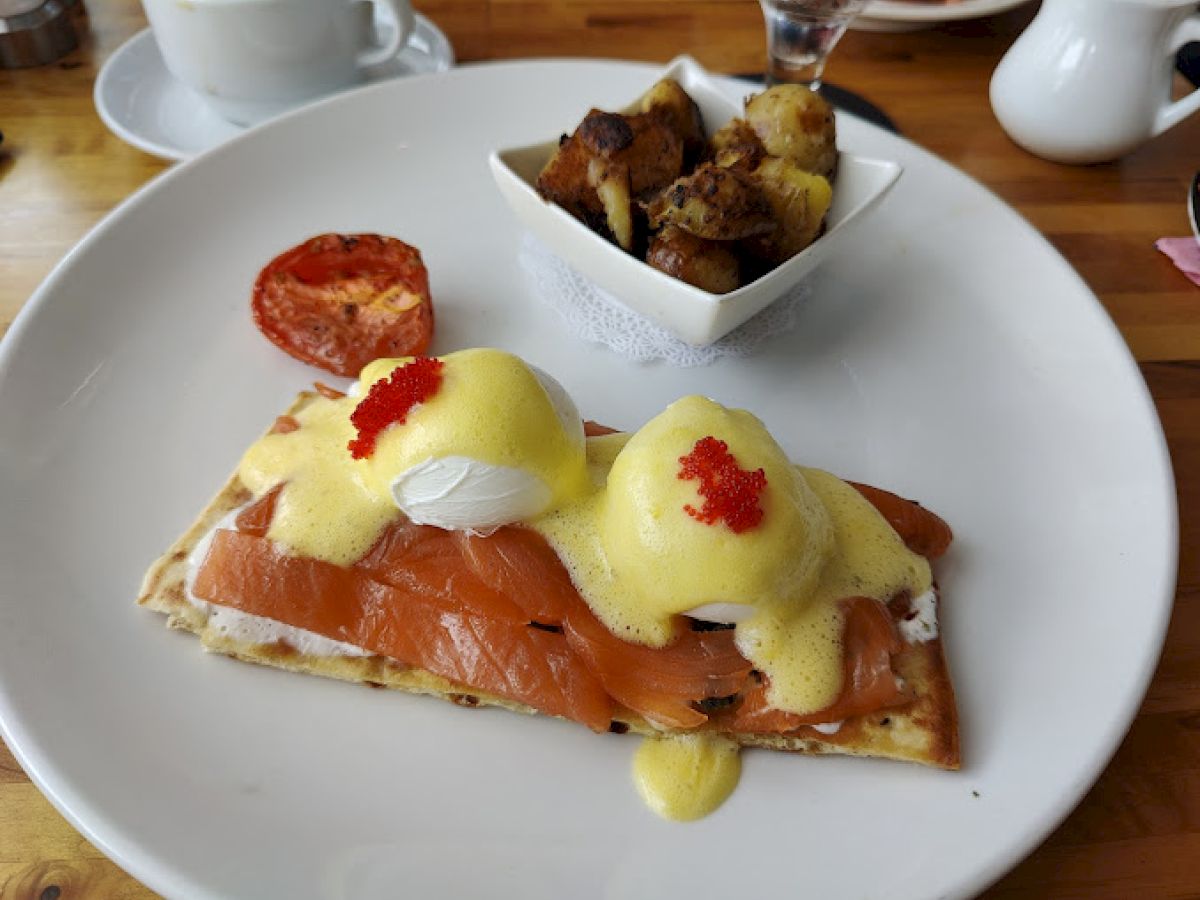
[(1174, 113), (402, 15)]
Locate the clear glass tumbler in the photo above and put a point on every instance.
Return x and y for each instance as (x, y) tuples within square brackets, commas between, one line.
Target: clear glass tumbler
[(800, 35)]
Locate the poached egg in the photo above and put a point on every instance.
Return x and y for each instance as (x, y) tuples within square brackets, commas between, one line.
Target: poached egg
[(498, 442)]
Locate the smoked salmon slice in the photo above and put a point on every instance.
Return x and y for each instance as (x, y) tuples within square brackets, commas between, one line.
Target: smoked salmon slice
[(868, 682), (500, 614), (664, 684), (595, 429), (524, 664), (923, 532), (661, 684), (256, 518), (427, 560), (518, 563)]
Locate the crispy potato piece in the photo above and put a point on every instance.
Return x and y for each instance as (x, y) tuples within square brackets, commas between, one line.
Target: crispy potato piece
[(564, 180), (795, 124), (604, 133), (736, 146), (709, 265), (609, 160), (799, 202), (744, 159), (644, 144), (611, 183), (669, 102), (714, 203), (655, 158)]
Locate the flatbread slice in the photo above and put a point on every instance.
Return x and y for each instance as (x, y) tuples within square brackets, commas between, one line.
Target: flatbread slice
[(923, 731)]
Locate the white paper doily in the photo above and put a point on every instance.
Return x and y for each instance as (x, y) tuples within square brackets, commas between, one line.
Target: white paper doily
[(595, 315)]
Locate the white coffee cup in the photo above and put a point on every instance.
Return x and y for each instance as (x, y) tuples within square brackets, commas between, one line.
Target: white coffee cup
[(253, 59)]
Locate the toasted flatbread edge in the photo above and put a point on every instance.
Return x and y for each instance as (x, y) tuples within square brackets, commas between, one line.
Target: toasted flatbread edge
[(924, 731)]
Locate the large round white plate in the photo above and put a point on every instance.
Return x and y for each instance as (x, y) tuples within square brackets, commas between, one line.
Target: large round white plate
[(910, 15), (950, 355)]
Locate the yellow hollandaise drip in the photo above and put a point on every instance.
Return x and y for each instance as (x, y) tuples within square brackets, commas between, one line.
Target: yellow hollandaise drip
[(686, 776)]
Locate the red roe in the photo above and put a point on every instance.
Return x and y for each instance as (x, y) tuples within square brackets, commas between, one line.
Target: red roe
[(729, 491), (391, 399)]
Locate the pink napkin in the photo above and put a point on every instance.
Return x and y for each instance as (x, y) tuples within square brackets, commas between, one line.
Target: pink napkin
[(1185, 253)]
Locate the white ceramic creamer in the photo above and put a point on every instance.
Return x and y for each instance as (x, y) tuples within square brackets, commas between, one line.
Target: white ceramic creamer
[(1090, 80), (253, 59)]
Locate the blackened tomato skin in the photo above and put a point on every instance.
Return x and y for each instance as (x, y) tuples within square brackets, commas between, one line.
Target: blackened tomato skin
[(340, 301)]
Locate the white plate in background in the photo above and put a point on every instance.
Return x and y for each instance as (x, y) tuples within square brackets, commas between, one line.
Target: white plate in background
[(899, 15), (953, 356)]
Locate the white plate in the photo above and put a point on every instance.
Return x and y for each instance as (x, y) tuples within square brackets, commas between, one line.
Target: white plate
[(697, 316), (954, 357), (148, 108), (898, 15)]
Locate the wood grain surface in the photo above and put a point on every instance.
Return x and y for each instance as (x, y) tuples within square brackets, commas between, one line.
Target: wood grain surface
[(1137, 833)]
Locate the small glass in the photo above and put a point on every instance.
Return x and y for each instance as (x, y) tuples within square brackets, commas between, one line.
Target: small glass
[(801, 34)]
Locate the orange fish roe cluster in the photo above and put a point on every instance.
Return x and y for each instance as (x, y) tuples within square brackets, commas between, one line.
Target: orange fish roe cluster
[(729, 491), (391, 399)]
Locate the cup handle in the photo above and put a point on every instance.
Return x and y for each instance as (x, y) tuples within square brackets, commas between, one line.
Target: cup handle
[(1174, 113), (402, 15)]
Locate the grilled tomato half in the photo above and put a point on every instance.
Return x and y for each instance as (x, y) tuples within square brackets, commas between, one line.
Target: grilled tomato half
[(339, 301)]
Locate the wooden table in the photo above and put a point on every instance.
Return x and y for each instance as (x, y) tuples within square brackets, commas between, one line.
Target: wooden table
[(1137, 834)]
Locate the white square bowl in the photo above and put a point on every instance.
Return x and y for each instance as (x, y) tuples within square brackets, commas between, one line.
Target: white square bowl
[(697, 316)]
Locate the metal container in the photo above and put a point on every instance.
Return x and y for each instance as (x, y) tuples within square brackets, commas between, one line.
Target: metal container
[(35, 32)]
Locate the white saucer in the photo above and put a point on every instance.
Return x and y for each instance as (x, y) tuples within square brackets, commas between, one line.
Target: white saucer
[(144, 105), (904, 15)]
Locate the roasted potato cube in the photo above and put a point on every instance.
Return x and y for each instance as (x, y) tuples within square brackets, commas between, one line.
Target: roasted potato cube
[(645, 145), (564, 180), (604, 133), (709, 265), (670, 103), (799, 202), (611, 183), (608, 161), (795, 124), (714, 203), (736, 146)]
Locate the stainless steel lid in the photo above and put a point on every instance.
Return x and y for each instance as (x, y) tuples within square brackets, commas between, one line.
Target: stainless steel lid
[(35, 32)]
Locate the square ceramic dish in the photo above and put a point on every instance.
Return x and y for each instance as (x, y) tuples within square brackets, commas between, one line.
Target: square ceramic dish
[(696, 316)]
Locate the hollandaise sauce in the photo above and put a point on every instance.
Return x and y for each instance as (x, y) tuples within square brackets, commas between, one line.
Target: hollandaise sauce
[(688, 574), (686, 776), (487, 436), (642, 550)]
